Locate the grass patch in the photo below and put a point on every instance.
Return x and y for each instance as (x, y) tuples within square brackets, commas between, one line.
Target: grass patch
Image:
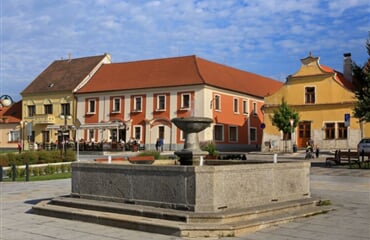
[(324, 203), (42, 177)]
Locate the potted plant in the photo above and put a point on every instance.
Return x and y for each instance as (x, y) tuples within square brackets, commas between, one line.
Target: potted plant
[(210, 147)]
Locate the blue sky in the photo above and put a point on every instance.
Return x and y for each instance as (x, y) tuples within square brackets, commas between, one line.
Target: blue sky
[(267, 37)]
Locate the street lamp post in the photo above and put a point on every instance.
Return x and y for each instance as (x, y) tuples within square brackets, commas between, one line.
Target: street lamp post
[(291, 133)]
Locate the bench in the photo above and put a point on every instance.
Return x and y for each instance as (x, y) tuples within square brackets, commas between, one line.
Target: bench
[(141, 159), (346, 156)]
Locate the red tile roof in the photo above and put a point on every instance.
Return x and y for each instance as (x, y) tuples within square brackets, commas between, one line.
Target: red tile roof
[(178, 71), (63, 75), (11, 114), (338, 77)]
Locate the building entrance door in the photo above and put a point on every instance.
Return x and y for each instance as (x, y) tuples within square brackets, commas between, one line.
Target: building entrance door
[(304, 133)]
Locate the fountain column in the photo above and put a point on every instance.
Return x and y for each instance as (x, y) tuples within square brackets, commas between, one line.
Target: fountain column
[(191, 126)]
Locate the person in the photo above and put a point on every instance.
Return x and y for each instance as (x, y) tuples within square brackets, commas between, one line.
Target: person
[(157, 145), (19, 147), (161, 144)]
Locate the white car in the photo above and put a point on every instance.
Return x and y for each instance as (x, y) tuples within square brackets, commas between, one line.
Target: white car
[(364, 145)]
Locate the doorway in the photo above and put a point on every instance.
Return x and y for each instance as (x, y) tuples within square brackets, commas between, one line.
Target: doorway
[(304, 133)]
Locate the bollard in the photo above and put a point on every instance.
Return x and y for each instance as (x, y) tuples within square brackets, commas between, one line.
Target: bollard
[(109, 159), (27, 172), (1, 173), (14, 172), (275, 158)]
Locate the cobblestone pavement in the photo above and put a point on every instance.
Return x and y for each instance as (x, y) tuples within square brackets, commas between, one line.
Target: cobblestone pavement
[(347, 189)]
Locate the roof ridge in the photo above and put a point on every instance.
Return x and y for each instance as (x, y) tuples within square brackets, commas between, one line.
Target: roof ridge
[(197, 69), (155, 59)]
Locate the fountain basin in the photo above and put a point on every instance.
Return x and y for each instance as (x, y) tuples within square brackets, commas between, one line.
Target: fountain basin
[(194, 188)]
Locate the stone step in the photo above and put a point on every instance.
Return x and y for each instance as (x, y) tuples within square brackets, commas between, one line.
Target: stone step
[(225, 216), (175, 222)]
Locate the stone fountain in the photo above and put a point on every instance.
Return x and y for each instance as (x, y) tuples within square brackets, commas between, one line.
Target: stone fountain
[(191, 126), (186, 201)]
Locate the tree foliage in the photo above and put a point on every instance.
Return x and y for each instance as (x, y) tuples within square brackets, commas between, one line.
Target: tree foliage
[(282, 116), (362, 82)]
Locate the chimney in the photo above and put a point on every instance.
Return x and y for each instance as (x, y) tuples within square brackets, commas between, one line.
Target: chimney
[(347, 67)]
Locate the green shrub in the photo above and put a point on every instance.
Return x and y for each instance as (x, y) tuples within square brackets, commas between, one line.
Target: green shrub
[(21, 172), (63, 168), (44, 157), (151, 153), (35, 171), (11, 158), (70, 156), (4, 160), (31, 157)]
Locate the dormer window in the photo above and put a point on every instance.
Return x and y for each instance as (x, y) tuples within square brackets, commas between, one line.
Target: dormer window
[(310, 95)]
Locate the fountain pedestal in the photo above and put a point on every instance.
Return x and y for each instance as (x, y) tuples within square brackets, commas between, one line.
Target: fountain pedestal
[(191, 126)]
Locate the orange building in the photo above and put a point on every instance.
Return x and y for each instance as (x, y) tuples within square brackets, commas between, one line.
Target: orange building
[(137, 100)]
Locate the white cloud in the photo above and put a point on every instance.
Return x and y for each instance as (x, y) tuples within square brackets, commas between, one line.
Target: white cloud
[(246, 34)]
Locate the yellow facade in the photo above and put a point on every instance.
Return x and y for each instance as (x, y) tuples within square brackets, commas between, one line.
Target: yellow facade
[(322, 97), (46, 126)]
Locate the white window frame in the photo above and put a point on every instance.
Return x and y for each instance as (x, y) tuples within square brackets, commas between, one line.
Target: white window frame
[(14, 136), (255, 111), (183, 101), (136, 100), (236, 105), (114, 110), (218, 103), (253, 137), (222, 133), (159, 102), (140, 132), (236, 134), (90, 101), (245, 107)]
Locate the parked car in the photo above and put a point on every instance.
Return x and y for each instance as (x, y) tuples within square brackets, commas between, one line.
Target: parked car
[(364, 145)]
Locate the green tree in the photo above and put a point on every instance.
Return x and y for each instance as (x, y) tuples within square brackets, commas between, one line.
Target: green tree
[(282, 119), (362, 83)]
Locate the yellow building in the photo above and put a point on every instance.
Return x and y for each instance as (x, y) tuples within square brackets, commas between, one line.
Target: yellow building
[(49, 107), (324, 99)]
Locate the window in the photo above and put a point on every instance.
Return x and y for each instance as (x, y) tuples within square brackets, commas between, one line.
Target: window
[(116, 105), (233, 134), (185, 101), (254, 108), (161, 102), (329, 130), (137, 104), (342, 131), (91, 106), (31, 110), (48, 109), (236, 105), (245, 107), (310, 95), (13, 136), (253, 134), (218, 133), (66, 109), (137, 132), (218, 102), (91, 135)]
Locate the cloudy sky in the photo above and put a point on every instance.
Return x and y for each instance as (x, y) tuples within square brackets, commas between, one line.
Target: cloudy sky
[(267, 37)]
